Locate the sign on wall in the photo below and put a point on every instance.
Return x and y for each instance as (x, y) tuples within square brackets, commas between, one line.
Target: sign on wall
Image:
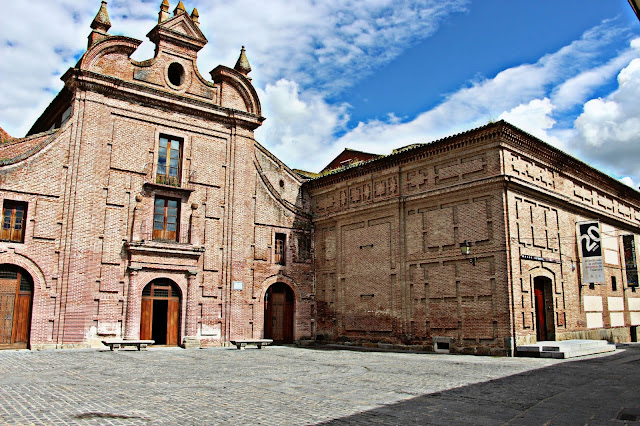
[(589, 241)]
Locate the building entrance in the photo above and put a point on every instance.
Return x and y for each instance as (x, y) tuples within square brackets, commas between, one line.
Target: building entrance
[(544, 309), (160, 312), (278, 313), (16, 295)]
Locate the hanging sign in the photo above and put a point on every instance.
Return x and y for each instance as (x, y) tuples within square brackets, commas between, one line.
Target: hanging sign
[(590, 252)]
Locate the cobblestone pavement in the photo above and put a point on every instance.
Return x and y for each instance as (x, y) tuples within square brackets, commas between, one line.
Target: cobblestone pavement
[(289, 385)]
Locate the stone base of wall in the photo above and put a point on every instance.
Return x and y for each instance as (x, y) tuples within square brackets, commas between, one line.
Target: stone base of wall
[(613, 335)]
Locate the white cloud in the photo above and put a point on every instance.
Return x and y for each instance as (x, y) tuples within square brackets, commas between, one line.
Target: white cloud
[(533, 117), (301, 125), (324, 45), (607, 132), (519, 93), (629, 182)]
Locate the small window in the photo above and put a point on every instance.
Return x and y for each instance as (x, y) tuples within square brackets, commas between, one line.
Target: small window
[(169, 160), (304, 247), (14, 216), (614, 284), (280, 256), (166, 218), (176, 74)]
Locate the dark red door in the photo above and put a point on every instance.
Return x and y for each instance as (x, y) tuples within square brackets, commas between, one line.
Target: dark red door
[(541, 322)]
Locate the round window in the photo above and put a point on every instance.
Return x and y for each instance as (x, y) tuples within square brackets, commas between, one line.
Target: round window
[(281, 183), (176, 74)]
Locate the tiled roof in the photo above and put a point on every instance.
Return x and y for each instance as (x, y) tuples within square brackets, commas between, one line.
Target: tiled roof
[(4, 136), (20, 148)]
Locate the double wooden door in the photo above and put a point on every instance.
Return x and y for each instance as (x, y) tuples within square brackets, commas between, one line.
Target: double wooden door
[(16, 294), (160, 313), (278, 316)]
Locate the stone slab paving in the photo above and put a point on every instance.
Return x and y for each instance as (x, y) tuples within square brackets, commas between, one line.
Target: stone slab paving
[(289, 385)]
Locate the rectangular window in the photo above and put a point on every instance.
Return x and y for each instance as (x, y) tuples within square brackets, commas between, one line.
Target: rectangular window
[(166, 218), (614, 284), (279, 258), (169, 159), (14, 214), (304, 247), (629, 246)]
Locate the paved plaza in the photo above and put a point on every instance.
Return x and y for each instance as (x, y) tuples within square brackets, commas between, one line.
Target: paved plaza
[(290, 385)]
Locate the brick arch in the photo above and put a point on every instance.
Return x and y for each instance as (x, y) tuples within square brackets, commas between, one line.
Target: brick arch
[(279, 278), (39, 281), (541, 271), (134, 298), (144, 279)]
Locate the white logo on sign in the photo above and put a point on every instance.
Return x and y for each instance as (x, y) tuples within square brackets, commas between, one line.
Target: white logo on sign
[(592, 238)]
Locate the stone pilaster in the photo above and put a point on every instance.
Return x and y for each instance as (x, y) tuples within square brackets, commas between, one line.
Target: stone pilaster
[(191, 339)]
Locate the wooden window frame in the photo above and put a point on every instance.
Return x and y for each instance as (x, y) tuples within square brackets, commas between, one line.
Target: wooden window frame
[(164, 174), (280, 252), (8, 230), (161, 232)]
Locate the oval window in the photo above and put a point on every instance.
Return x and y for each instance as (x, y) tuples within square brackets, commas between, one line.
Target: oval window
[(176, 74)]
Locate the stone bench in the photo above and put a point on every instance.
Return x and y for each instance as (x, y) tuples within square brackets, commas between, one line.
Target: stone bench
[(116, 344), (240, 344)]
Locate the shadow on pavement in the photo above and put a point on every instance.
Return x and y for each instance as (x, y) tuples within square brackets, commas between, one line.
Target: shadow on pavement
[(594, 390)]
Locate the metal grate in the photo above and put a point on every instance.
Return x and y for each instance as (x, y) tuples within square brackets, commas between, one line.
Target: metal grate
[(8, 274), (147, 291), (161, 292), (25, 283)]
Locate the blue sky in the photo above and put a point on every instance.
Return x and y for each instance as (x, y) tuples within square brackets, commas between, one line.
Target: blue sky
[(376, 75)]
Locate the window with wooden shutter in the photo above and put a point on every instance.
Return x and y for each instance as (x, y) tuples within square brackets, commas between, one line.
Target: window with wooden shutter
[(14, 215), (166, 218), (169, 160), (279, 257)]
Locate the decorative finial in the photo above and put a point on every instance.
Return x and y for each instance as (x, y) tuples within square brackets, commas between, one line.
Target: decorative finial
[(100, 25), (163, 15), (194, 16), (243, 63), (179, 9), (101, 22)]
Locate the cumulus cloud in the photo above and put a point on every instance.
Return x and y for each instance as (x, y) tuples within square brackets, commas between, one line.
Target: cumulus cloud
[(533, 117), (607, 132), (301, 124), (519, 94), (322, 45)]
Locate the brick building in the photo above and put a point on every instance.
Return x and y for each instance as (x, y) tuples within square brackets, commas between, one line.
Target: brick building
[(140, 205)]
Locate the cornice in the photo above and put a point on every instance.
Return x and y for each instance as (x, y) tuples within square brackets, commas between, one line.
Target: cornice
[(488, 133), (131, 91)]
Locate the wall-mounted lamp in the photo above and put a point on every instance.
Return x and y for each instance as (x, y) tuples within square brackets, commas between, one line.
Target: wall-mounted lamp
[(465, 249)]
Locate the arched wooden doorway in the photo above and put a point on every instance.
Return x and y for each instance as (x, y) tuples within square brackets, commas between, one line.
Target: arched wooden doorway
[(160, 312), (543, 297), (16, 296), (278, 313)]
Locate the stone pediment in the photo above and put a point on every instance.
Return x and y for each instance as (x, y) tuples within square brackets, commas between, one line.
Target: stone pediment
[(184, 25)]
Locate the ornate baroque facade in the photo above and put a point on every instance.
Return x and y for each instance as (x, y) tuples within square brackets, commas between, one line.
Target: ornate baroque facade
[(141, 206)]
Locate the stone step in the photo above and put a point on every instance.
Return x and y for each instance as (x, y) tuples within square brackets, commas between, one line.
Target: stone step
[(565, 349)]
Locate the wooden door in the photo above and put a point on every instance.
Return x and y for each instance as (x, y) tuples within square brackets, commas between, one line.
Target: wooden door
[(15, 307), (7, 306), (541, 322), (146, 318), (22, 319), (277, 316), (173, 309)]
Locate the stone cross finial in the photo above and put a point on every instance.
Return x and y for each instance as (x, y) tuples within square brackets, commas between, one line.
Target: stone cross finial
[(242, 65), (163, 15)]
